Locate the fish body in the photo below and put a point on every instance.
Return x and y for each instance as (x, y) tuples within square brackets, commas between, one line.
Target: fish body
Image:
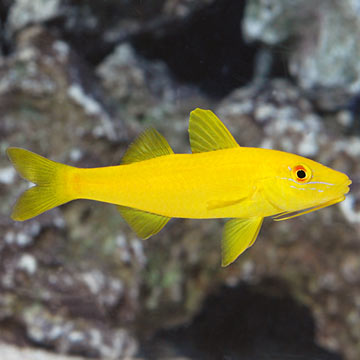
[(181, 185), (219, 179), (226, 183)]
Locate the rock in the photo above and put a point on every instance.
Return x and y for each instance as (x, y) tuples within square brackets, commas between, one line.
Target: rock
[(140, 84), (46, 89), (9, 352), (76, 279), (315, 250), (24, 12), (68, 336), (89, 270), (94, 303), (104, 25), (83, 298), (46, 72), (183, 8), (241, 310), (273, 21), (328, 63), (323, 57), (275, 115)]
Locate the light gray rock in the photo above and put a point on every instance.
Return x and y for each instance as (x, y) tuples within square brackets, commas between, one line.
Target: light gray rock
[(25, 12), (10, 352), (144, 86), (272, 21), (326, 56), (320, 40), (68, 336)]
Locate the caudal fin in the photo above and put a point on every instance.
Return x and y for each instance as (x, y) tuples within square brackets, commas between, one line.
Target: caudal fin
[(49, 178)]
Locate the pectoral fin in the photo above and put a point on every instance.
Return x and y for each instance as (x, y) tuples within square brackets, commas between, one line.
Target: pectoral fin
[(239, 234), (143, 223), (221, 203)]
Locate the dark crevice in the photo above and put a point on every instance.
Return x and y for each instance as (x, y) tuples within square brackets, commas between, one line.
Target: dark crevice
[(13, 332), (245, 323), (4, 41), (354, 108), (90, 40), (205, 49)]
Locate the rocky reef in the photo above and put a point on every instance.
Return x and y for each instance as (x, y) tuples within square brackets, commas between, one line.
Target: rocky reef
[(80, 80)]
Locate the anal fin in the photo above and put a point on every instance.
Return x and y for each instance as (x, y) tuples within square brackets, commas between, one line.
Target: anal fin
[(143, 223), (238, 235)]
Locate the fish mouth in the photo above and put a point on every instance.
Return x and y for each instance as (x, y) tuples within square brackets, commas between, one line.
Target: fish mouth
[(346, 185)]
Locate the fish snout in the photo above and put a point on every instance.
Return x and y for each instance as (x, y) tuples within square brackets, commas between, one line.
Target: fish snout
[(346, 186)]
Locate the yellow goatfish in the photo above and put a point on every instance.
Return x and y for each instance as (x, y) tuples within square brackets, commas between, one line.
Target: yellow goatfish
[(219, 179)]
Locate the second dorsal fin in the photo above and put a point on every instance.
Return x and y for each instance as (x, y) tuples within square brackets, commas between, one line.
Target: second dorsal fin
[(148, 145), (208, 133)]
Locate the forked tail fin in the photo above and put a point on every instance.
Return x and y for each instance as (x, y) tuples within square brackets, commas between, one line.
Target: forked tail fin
[(49, 178)]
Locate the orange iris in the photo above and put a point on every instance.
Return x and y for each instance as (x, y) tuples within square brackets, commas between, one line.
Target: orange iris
[(301, 173)]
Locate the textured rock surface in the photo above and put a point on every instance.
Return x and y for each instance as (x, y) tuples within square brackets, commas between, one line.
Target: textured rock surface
[(25, 12), (323, 57), (12, 353), (76, 280), (49, 101), (101, 24), (315, 251), (273, 21), (145, 87)]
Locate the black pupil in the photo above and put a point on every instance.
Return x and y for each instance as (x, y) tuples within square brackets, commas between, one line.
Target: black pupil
[(301, 174)]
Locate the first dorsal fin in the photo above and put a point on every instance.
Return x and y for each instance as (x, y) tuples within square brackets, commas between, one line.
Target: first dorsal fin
[(148, 145), (208, 133)]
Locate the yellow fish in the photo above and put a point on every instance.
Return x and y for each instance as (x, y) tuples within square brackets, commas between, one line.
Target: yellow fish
[(219, 179)]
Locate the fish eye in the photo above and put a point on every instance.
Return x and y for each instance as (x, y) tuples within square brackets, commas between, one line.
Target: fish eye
[(301, 173)]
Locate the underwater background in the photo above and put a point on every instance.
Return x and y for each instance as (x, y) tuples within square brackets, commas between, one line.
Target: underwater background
[(79, 80)]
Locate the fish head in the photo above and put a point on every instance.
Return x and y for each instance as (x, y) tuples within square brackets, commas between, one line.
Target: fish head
[(300, 183)]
